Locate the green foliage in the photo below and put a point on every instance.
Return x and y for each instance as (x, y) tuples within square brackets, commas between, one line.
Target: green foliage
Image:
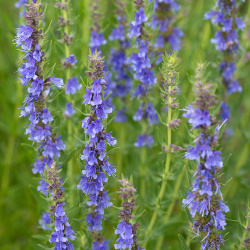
[(20, 203)]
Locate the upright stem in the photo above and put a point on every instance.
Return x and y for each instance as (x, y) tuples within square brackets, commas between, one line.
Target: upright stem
[(69, 121), (245, 231), (143, 165), (170, 208), (165, 174), (86, 30), (120, 155)]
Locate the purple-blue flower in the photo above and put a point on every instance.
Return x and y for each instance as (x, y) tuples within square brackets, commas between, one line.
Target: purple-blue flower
[(204, 199), (72, 86), (97, 167)]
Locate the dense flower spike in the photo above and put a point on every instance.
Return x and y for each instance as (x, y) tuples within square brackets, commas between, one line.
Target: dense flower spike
[(118, 60), (63, 232), (141, 65), (97, 166), (226, 41), (164, 21), (205, 200), (39, 129), (35, 104), (128, 236)]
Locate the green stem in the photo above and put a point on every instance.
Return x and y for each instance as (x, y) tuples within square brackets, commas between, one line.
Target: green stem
[(165, 174), (245, 231), (69, 121), (143, 165), (121, 151), (170, 208), (86, 30)]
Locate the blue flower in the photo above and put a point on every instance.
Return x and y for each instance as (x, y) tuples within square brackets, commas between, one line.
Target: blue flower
[(45, 220), (125, 239), (96, 40), (205, 199), (72, 86), (118, 34), (57, 81), (95, 155), (69, 109), (197, 117), (71, 60), (144, 140)]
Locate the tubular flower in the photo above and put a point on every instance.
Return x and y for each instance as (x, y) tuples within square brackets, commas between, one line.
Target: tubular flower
[(205, 200), (127, 231), (141, 66), (163, 21), (40, 118), (63, 233), (97, 166), (118, 60), (35, 103), (227, 42)]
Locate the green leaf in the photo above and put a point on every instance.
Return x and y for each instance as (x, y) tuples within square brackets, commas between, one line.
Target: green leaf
[(44, 247), (47, 30), (183, 242), (27, 146), (160, 137), (189, 215), (40, 236), (50, 72), (160, 118)]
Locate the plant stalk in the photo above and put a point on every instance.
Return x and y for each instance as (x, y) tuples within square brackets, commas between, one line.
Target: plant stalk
[(165, 174)]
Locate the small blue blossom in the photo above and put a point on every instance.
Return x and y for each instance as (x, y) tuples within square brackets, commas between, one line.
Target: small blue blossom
[(72, 86), (96, 41), (167, 32), (226, 41), (95, 156), (71, 60), (204, 199), (69, 109), (57, 81), (44, 221)]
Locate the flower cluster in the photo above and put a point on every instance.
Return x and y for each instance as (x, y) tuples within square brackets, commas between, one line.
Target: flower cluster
[(205, 200), (72, 83), (118, 60), (127, 231), (141, 65), (226, 41), (63, 232), (20, 4), (163, 21), (35, 104), (97, 38), (95, 155)]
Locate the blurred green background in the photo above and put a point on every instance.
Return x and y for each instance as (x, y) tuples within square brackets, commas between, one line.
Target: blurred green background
[(19, 202)]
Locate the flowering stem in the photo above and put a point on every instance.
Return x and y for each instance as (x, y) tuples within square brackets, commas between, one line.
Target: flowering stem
[(86, 25), (170, 208), (143, 166), (246, 229), (122, 146), (165, 175), (69, 121)]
